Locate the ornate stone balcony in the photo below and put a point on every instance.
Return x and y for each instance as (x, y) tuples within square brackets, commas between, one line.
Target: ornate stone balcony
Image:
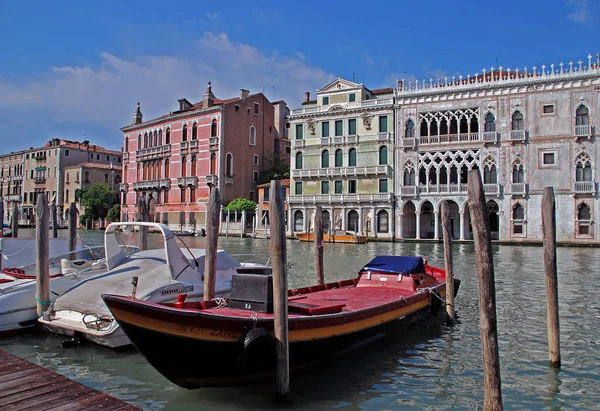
[(408, 191), (213, 141), (123, 187), (408, 142), (39, 180), (16, 178), (187, 181), (340, 198), (491, 189), (584, 187), (13, 198), (443, 189), (517, 135), (161, 184), (490, 136), (342, 171), (385, 136), (518, 188), (583, 131), (449, 139), (158, 151), (212, 179), (229, 180)]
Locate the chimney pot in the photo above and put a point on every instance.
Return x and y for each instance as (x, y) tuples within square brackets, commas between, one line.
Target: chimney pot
[(307, 97), (244, 94)]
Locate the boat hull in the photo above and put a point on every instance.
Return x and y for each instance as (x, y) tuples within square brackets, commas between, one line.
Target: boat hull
[(334, 238)]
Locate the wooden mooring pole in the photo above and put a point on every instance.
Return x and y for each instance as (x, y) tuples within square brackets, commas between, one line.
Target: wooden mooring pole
[(549, 239), (213, 218), (448, 263), (54, 221), (319, 246), (492, 397), (280, 288), (72, 236), (15, 221), (143, 229), (1, 231), (42, 286)]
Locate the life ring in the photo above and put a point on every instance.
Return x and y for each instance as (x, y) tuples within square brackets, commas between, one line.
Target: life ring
[(13, 271), (435, 303), (258, 353)]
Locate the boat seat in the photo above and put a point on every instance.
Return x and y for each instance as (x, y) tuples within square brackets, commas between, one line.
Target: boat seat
[(314, 309)]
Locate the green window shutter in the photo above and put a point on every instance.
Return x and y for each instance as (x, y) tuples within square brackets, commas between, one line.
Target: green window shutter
[(325, 101), (298, 188), (352, 126), (383, 185), (338, 187), (298, 161), (383, 124), (383, 155), (351, 97), (339, 128), (352, 158), (324, 187), (338, 158), (325, 129), (325, 159), (299, 130)]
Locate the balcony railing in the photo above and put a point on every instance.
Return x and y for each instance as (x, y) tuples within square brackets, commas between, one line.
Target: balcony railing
[(187, 181), (449, 139), (123, 187), (408, 191), (125, 156), (443, 189), (353, 104), (193, 144), (341, 198), (14, 198), (161, 184), (213, 141), (491, 189), (409, 142), (341, 171), (17, 178), (229, 180), (518, 188), (153, 151), (385, 136), (352, 139), (490, 136), (39, 180), (212, 179), (517, 135), (583, 131), (584, 187)]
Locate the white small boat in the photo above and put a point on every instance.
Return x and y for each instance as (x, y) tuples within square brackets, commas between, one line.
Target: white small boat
[(156, 275), (18, 285)]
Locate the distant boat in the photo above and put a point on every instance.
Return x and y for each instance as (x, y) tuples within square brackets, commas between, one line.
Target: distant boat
[(335, 237)]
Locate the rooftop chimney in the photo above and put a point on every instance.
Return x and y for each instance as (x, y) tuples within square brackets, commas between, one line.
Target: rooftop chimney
[(307, 97), (137, 116), (209, 98), (244, 94)]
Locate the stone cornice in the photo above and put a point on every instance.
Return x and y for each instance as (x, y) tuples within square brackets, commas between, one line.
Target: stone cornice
[(171, 117), (342, 113)]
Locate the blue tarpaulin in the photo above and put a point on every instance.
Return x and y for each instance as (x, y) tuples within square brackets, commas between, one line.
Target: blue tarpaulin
[(396, 264)]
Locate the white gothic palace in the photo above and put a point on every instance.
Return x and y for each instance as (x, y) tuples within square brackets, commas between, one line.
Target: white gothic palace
[(524, 129)]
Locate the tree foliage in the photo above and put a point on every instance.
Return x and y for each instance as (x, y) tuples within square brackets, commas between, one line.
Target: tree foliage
[(96, 201), (278, 169), (114, 214), (240, 204)]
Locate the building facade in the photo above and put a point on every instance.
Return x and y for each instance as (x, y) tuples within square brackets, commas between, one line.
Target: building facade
[(11, 182), (178, 157), (264, 191), (342, 152), (523, 130)]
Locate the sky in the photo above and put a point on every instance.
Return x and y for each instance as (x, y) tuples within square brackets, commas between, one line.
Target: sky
[(76, 70)]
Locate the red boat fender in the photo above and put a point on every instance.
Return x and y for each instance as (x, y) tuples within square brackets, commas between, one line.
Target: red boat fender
[(180, 300), (19, 274)]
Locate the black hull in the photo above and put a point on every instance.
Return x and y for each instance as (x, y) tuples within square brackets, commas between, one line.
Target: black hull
[(195, 363)]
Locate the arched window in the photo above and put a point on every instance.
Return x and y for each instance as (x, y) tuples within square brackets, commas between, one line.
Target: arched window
[(490, 122), (489, 172), (583, 168), (424, 128), (155, 143), (183, 166), (167, 168), (339, 159), (383, 155), (145, 140), (213, 128), (160, 137), (139, 172), (383, 221), (184, 133), (518, 212), (139, 144), (168, 136), (213, 163), (252, 136), (298, 221), (195, 131), (229, 164), (67, 195), (325, 159), (518, 176), (409, 175), (352, 157), (584, 212), (517, 121), (352, 221), (582, 116), (298, 160), (409, 129), (124, 174), (193, 171), (126, 144)]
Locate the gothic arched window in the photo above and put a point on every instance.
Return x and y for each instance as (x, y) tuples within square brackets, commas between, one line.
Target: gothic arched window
[(409, 129), (490, 122), (517, 121)]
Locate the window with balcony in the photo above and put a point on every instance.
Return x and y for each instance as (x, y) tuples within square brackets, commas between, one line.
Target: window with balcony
[(383, 185), (352, 157), (383, 221), (326, 100), (584, 220), (517, 121), (324, 187), (299, 130), (490, 176), (352, 126), (298, 188), (184, 133), (352, 186), (193, 171), (518, 217), (160, 140), (325, 159), (409, 175), (490, 123), (325, 129), (582, 116), (299, 160), (167, 168), (351, 97), (183, 166), (126, 144), (339, 157), (338, 187), (252, 140), (583, 168), (213, 128), (339, 128), (383, 155), (409, 129), (518, 175), (168, 136), (383, 124), (195, 131)]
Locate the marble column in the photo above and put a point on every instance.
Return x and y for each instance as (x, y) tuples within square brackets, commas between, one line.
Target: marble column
[(418, 230), (436, 233), (462, 225), (374, 222)]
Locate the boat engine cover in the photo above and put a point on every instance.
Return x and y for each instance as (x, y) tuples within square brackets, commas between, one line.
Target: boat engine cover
[(253, 292)]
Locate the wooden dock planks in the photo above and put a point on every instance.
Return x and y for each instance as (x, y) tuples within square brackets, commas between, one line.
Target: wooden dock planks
[(27, 386)]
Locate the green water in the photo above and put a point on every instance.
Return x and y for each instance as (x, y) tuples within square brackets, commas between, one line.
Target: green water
[(428, 367)]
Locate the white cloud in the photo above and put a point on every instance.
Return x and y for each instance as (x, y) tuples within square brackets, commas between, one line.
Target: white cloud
[(368, 58), (580, 11), (211, 16), (107, 93)]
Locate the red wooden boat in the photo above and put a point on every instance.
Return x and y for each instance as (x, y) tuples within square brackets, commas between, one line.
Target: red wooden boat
[(210, 344)]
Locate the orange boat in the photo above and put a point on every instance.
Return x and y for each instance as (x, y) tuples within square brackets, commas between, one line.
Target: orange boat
[(335, 237)]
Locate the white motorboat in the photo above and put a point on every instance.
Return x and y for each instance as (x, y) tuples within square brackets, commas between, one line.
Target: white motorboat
[(17, 280), (157, 275)]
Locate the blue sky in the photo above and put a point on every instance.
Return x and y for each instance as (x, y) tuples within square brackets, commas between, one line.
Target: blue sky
[(76, 70)]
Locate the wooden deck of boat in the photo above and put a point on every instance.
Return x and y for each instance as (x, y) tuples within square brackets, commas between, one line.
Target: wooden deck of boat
[(27, 386)]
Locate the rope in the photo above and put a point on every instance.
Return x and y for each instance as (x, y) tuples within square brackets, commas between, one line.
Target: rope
[(17, 252), (430, 291), (42, 302), (221, 302)]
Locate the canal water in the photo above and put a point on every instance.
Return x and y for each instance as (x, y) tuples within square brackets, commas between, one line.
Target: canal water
[(430, 366)]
